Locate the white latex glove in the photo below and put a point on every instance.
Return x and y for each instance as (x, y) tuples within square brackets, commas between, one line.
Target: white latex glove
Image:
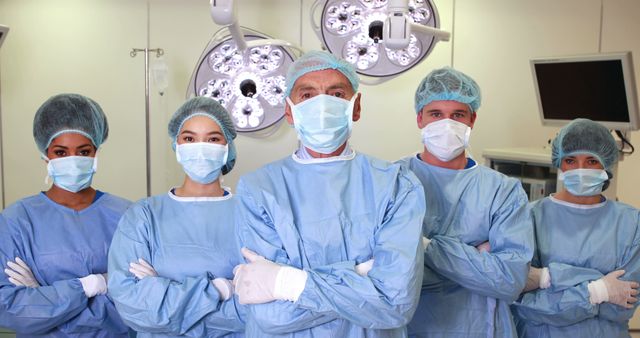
[(224, 287), (538, 278), (20, 274), (262, 281), (425, 242), (142, 269), (363, 269), (484, 247), (94, 285), (613, 290)]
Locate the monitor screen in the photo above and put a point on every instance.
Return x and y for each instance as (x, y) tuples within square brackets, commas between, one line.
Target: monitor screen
[(599, 87)]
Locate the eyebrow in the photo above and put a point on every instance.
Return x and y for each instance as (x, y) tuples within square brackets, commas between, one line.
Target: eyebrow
[(80, 146), (193, 133), (455, 111), (305, 87), (339, 86)]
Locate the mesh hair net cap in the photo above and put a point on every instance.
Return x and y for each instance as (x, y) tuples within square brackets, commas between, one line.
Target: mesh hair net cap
[(319, 60), (583, 136), (69, 113), (448, 84), (204, 106)]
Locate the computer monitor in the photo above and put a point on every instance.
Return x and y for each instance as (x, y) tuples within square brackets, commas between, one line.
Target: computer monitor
[(3, 33), (600, 87)]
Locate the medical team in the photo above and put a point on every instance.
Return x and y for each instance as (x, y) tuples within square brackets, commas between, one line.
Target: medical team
[(327, 242)]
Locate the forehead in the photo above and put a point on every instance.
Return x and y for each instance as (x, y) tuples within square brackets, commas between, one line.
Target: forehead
[(70, 140), (199, 122), (320, 79), (446, 106)]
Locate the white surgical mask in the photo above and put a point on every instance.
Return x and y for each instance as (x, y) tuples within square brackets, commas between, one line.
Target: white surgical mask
[(323, 122), (202, 161), (446, 138), (72, 173)]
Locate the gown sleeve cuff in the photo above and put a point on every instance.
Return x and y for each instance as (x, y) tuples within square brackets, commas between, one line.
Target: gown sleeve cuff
[(597, 292), (290, 283), (545, 278)]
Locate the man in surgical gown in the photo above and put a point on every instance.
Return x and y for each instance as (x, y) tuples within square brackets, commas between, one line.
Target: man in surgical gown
[(343, 228), (477, 233), (586, 267)]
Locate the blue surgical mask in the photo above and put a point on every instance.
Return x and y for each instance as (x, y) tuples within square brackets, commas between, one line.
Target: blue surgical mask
[(202, 161), (584, 182), (72, 173), (323, 122)]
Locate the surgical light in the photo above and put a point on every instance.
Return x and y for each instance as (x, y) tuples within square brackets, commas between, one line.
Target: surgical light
[(245, 71), (381, 38)]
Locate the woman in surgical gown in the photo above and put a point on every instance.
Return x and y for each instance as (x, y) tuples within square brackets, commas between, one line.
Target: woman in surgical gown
[(172, 257), (583, 279), (53, 245)]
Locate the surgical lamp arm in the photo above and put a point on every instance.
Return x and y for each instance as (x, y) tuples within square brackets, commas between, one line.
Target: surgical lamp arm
[(224, 13)]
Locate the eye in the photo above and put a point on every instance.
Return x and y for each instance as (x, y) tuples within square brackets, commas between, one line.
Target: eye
[(85, 152), (593, 162), (305, 96), (214, 139), (339, 94), (569, 161), (188, 139), (60, 153), (436, 114), (458, 116)]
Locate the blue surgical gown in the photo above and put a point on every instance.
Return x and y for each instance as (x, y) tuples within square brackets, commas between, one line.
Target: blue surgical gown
[(325, 217), (189, 241), (466, 293), (60, 245), (579, 244)]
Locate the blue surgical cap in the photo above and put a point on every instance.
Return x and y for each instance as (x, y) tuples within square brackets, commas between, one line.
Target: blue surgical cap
[(319, 60), (583, 136), (204, 106), (447, 84), (69, 113)]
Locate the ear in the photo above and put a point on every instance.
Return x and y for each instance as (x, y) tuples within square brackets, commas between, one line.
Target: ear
[(419, 120), (356, 108), (473, 119), (287, 112)]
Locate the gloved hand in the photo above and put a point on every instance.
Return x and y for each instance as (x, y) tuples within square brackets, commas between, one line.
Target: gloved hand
[(93, 285), (262, 281), (20, 274), (538, 278), (425, 242), (613, 290), (363, 269), (142, 269), (224, 287), (484, 247)]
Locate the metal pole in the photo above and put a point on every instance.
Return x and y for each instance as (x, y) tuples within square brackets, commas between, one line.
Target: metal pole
[(147, 110), (146, 118), (146, 100)]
